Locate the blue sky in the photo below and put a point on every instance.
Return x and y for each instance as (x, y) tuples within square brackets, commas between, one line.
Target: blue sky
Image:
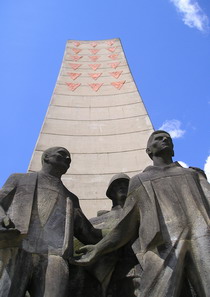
[(167, 44)]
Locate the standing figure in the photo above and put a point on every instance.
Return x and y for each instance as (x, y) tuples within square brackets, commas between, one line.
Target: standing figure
[(117, 272), (103, 277), (44, 211), (168, 208), (117, 191)]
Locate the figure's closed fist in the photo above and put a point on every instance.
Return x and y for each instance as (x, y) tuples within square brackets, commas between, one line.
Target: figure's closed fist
[(87, 255), (7, 223)]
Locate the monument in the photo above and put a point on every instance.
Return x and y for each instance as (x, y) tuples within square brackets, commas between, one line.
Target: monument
[(96, 113), (167, 211), (156, 236), (46, 215)]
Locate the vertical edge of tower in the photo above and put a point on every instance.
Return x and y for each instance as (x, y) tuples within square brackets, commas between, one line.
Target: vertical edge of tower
[(95, 112)]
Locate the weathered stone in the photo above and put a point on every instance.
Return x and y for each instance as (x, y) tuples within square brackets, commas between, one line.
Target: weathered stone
[(39, 217), (167, 210), (118, 271)]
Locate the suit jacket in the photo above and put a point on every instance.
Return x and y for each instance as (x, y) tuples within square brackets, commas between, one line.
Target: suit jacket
[(16, 200)]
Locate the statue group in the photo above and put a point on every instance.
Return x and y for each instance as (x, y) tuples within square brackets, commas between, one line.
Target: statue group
[(153, 243)]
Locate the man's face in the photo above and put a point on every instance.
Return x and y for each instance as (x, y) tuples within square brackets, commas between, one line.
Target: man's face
[(60, 159), (120, 191), (160, 142)]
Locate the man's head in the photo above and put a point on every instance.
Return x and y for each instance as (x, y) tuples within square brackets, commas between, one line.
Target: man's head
[(159, 142), (58, 158), (118, 189)]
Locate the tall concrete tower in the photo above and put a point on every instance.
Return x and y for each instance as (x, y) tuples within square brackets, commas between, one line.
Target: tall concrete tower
[(96, 113)]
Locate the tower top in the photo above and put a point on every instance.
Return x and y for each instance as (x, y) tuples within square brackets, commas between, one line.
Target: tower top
[(96, 113)]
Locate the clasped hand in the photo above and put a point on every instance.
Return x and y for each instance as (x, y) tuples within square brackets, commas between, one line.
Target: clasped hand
[(86, 255)]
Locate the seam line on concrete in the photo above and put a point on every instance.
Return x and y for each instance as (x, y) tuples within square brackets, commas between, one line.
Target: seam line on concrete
[(88, 54), (97, 174), (69, 52), (105, 173), (97, 61), (105, 153), (87, 42), (96, 95), (104, 106), (87, 85), (106, 68), (118, 50), (70, 42), (87, 76), (59, 119), (94, 135), (92, 107)]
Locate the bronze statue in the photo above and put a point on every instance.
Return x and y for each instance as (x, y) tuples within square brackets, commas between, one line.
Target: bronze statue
[(167, 209), (45, 215)]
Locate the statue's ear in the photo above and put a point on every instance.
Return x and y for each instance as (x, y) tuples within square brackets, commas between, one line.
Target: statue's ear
[(148, 150), (46, 158)]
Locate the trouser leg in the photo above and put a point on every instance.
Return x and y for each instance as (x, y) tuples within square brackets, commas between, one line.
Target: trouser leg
[(36, 286), (57, 277), (199, 265), (7, 267), (22, 274), (162, 276), (177, 265)]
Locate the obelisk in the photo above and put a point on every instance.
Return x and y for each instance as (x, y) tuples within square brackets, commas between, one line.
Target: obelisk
[(95, 112)]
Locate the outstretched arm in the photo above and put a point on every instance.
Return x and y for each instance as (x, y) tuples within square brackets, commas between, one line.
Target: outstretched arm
[(84, 230), (126, 229)]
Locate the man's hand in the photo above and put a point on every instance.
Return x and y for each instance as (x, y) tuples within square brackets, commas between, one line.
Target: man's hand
[(9, 235), (87, 255), (7, 223)]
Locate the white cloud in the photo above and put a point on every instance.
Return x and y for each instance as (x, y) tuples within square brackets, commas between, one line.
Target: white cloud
[(173, 128), (183, 164), (207, 168), (192, 14)]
